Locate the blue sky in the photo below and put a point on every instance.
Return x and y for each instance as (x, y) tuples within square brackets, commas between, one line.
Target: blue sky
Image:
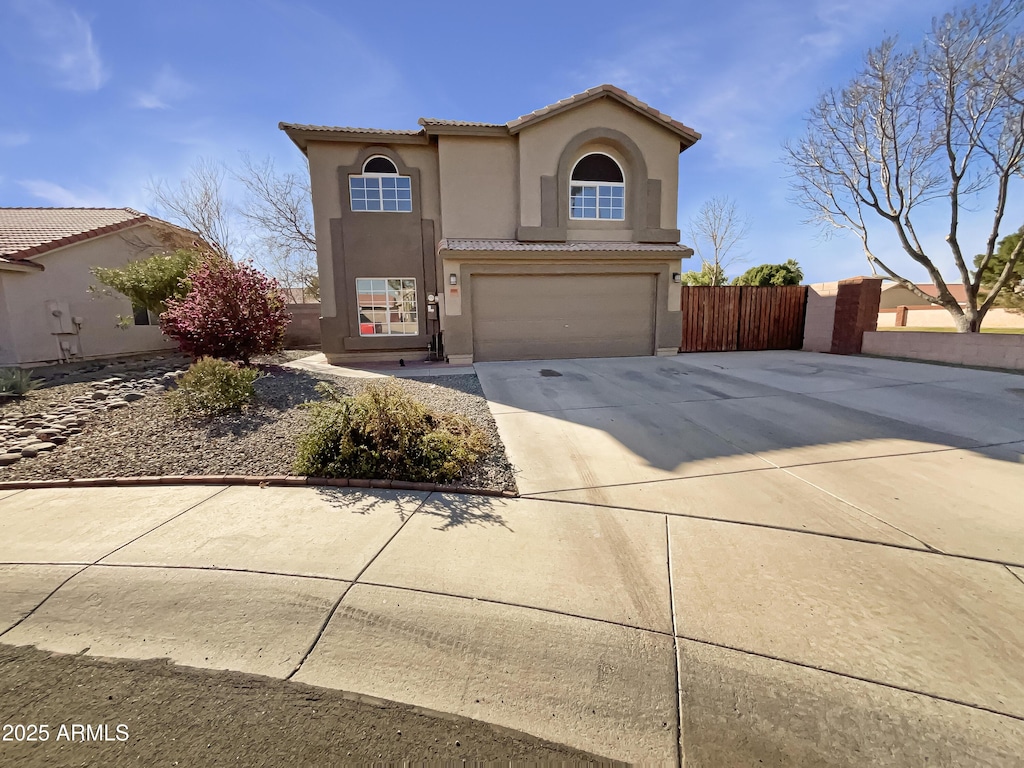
[(100, 98)]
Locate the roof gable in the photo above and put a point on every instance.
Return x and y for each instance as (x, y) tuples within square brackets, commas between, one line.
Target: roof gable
[(687, 136), (303, 134)]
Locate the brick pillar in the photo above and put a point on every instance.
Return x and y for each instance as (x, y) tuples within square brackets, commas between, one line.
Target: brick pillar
[(901, 316), (857, 301)]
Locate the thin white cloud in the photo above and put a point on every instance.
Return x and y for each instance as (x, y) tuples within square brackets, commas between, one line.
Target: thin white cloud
[(63, 197), (167, 87), (59, 38), (754, 84), (9, 139)]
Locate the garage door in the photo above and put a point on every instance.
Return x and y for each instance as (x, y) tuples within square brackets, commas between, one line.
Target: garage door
[(542, 317)]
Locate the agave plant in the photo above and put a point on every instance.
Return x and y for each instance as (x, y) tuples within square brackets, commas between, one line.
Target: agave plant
[(17, 381)]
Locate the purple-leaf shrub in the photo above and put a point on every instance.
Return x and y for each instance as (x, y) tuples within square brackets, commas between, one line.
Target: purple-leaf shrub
[(232, 311)]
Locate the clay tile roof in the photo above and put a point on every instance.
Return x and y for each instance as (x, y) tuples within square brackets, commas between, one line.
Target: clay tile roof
[(687, 134), (26, 232), (432, 121), (346, 129), (576, 245)]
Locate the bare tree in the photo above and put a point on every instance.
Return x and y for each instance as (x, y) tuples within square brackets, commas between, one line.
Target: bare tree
[(919, 126), (275, 217), (715, 231), (198, 204), (278, 208)]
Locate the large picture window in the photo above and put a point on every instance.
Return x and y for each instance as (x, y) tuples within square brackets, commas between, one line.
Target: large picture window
[(387, 306), (380, 188), (597, 189)]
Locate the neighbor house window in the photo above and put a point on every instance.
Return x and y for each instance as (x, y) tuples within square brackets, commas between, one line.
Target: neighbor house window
[(387, 306), (380, 188), (143, 316), (597, 189)]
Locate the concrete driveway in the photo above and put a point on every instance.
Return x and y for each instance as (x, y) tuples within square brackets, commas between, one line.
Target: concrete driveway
[(749, 559), (837, 529)]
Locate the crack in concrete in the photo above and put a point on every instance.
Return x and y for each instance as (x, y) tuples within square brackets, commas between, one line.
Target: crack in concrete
[(1013, 573), (849, 676), (89, 565), (344, 592), (680, 757), (924, 550)]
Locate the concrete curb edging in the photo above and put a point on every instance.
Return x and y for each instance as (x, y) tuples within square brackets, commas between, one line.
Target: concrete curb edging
[(289, 481)]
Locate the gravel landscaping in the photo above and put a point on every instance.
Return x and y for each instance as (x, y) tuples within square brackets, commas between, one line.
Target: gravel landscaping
[(115, 422)]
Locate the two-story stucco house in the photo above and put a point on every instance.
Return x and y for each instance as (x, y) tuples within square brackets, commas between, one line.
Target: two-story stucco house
[(551, 236)]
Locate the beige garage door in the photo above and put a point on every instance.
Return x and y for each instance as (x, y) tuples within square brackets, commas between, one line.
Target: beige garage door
[(541, 317)]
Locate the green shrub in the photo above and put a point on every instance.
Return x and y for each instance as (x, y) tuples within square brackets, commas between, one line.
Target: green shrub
[(150, 282), (211, 386), (384, 433), (16, 381)]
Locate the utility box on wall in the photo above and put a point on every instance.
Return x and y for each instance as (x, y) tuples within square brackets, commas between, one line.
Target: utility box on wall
[(59, 316)]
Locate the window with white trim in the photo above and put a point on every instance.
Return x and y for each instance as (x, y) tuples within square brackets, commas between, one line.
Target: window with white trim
[(597, 189), (380, 187), (387, 306)]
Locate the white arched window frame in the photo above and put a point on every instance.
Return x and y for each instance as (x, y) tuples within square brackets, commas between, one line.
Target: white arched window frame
[(594, 199), (380, 191)]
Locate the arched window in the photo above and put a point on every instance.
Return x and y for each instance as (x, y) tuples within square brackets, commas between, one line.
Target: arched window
[(380, 188), (597, 189)]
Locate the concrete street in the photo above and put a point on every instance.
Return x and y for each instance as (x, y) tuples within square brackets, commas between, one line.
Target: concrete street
[(776, 558)]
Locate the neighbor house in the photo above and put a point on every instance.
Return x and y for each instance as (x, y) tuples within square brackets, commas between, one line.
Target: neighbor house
[(553, 235), (47, 312)]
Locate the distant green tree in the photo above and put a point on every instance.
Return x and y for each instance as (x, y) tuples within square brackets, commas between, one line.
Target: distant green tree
[(772, 274), (149, 283), (709, 274), (1012, 292)]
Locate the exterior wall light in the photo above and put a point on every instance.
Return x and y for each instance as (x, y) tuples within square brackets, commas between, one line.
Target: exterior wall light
[(453, 279), (676, 277)]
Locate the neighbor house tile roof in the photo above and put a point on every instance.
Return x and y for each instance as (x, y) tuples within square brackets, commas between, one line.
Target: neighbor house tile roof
[(19, 265), (450, 244), (26, 232)]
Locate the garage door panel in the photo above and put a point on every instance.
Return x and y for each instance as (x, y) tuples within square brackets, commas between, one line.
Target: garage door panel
[(537, 317)]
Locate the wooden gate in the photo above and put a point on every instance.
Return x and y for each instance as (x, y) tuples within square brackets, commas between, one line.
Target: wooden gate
[(743, 317)]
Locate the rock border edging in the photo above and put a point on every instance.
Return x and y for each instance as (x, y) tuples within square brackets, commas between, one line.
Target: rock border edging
[(279, 481)]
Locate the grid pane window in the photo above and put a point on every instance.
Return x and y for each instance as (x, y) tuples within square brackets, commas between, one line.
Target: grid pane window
[(588, 200), (597, 189), (387, 306), (381, 193)]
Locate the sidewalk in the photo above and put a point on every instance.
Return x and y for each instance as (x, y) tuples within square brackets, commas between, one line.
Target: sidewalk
[(412, 369), (606, 629)]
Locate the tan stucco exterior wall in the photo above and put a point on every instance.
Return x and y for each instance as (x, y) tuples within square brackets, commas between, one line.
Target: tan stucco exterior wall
[(329, 197), (479, 186), (8, 355), (541, 145), (820, 316), (324, 160), (66, 280)]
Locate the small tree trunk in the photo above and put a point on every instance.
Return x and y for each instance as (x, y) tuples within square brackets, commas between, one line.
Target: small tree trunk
[(967, 319), (973, 318)]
